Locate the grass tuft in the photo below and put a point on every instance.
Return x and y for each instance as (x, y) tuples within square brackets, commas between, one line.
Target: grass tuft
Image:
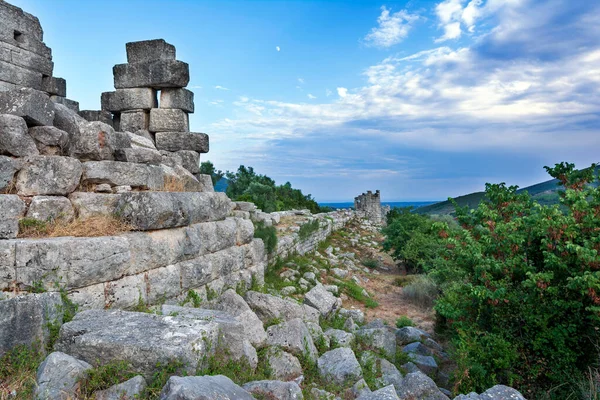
[(101, 225)]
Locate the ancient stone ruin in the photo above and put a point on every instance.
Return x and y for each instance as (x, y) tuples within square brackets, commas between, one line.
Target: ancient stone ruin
[(368, 205)]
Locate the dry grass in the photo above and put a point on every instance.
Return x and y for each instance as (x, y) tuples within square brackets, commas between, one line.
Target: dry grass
[(173, 184), (11, 188), (421, 291), (104, 225)]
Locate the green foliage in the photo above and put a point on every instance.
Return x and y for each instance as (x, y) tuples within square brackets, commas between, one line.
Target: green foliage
[(105, 376), (160, 377), (211, 294), (193, 298), (238, 371), (141, 306), (268, 234), (207, 168), (370, 263), (69, 308), (356, 292), (521, 287), (18, 371), (308, 229), (404, 321)]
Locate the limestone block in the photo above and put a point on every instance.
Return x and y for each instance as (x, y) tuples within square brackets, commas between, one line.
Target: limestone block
[(139, 140), (54, 86), (123, 173), (340, 366), (420, 386), (95, 141), (274, 389), (163, 283), (245, 231), (5, 86), (49, 140), (379, 338), (149, 50), (14, 138), (8, 273), (284, 366), (24, 41), (68, 120), (182, 179), (168, 120), (188, 159), (203, 388), (205, 269), (88, 204), (21, 22), (48, 175), (155, 74), (20, 76), (129, 99), (70, 104), (132, 121), (8, 168), (90, 297), (269, 307), (175, 141), (139, 155), (143, 340), (72, 262), (131, 389), (160, 210), (319, 298), (245, 206), (58, 377), (97, 115), (33, 105), (126, 292), (177, 98), (293, 336), (51, 208), (25, 319), (26, 59)]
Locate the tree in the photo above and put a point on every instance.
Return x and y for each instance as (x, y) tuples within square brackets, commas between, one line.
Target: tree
[(207, 168)]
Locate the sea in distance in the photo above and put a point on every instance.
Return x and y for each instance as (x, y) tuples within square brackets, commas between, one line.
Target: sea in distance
[(392, 204)]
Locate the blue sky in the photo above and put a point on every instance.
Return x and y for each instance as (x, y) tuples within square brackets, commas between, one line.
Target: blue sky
[(420, 99)]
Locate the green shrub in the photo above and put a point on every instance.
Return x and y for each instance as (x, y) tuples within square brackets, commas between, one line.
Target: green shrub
[(404, 321), (18, 371), (370, 263), (421, 291), (105, 376), (268, 234), (308, 229)]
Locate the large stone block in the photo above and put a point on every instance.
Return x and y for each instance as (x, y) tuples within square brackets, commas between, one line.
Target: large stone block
[(20, 76), (8, 168), (24, 41), (89, 205), (20, 21), (95, 141), (203, 388), (141, 139), (51, 208), (54, 86), (160, 210), (49, 175), (269, 307), (179, 179), (175, 141), (133, 121), (177, 98), (33, 105), (143, 340), (129, 99), (168, 120), (149, 50), (139, 155), (68, 120), (155, 74), (293, 336), (14, 138), (12, 209), (123, 174), (26, 59), (25, 320), (203, 270), (97, 115), (59, 377), (49, 140), (71, 104)]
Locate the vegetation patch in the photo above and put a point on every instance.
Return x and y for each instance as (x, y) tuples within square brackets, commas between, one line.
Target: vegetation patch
[(308, 229), (18, 369), (105, 376), (358, 293), (404, 321), (268, 234), (102, 225)]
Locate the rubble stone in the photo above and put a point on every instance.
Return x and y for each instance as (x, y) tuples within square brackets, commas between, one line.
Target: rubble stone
[(32, 105)]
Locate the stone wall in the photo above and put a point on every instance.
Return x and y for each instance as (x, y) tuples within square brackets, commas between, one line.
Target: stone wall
[(368, 205)]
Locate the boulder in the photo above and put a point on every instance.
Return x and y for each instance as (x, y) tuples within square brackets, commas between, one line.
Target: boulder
[(386, 393), (32, 105), (177, 98), (319, 298), (68, 120), (268, 308), (49, 175), (339, 338), (498, 392), (49, 140), (410, 334), (96, 141), (156, 74), (293, 336), (316, 332), (14, 138), (284, 366), (389, 374), (51, 208), (58, 377), (350, 325), (417, 385), (129, 99), (357, 315), (203, 388), (149, 50), (340, 366), (12, 208), (361, 388), (320, 394), (175, 141), (274, 390), (379, 338), (131, 389), (26, 319), (168, 120), (188, 159), (143, 340)]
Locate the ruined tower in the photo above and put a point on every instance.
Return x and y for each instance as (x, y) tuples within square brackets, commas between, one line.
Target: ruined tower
[(368, 205)]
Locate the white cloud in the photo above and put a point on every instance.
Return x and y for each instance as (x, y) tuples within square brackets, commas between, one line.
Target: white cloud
[(277, 48), (342, 92), (301, 81), (453, 14), (310, 96), (451, 31), (391, 29), (220, 87)]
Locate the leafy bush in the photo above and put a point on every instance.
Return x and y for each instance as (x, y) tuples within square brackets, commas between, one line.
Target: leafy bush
[(308, 229), (268, 234), (370, 263), (404, 321), (421, 291), (521, 287)]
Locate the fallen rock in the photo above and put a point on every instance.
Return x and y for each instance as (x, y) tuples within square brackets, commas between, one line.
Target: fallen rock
[(356, 315), (51, 208), (426, 364), (203, 388), (340, 366), (14, 138), (274, 390), (284, 366), (268, 308), (417, 385), (410, 334), (58, 377), (32, 105), (386, 393), (379, 338), (49, 175), (49, 140), (319, 298), (417, 348), (498, 392), (131, 389), (339, 338), (96, 141), (293, 336), (361, 388)]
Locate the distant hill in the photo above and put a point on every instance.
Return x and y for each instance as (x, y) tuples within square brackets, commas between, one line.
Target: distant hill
[(545, 193), (221, 185)]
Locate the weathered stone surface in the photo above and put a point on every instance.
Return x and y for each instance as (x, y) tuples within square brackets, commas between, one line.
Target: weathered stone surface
[(245, 206), (139, 155), (129, 99), (205, 183), (50, 140), (361, 388), (386, 393), (95, 141), (143, 340), (123, 173), (15, 18), (379, 338), (21, 57), (97, 115), (155, 74), (284, 366), (49, 175), (188, 159), (292, 336), (122, 141), (501, 392), (13, 77), (8, 168), (274, 390), (12, 209), (212, 267), (68, 120), (232, 303), (410, 334), (14, 138), (131, 389), (24, 40), (149, 50), (54, 86), (316, 332), (417, 385), (159, 210), (141, 139), (389, 373), (133, 121), (32, 105), (203, 388), (245, 231), (58, 377), (179, 179), (268, 308), (177, 98), (168, 120), (175, 141), (320, 394), (25, 320), (88, 204), (339, 338), (322, 300), (417, 348), (51, 208), (339, 365), (70, 104)]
